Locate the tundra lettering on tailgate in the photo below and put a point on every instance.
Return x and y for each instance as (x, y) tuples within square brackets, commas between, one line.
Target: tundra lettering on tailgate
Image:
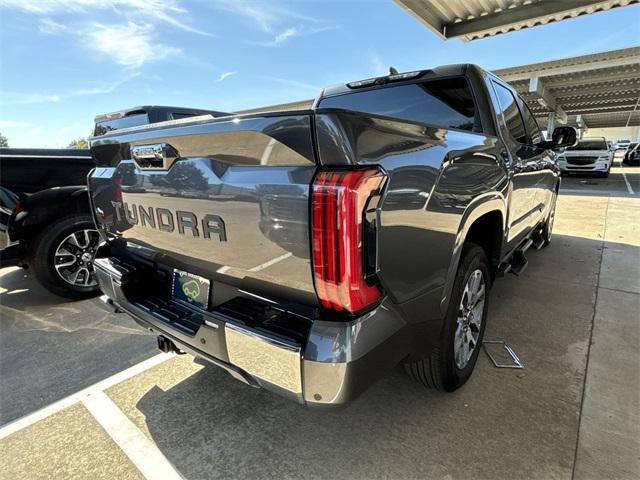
[(165, 220)]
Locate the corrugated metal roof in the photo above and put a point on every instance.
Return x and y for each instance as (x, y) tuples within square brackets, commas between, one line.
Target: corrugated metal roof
[(473, 19), (602, 87)]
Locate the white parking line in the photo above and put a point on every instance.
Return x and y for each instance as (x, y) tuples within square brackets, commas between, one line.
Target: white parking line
[(586, 191), (55, 407), (264, 265), (144, 454), (629, 189)]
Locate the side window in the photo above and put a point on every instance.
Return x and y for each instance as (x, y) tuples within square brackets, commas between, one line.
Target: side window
[(446, 102), (535, 135), (511, 113)]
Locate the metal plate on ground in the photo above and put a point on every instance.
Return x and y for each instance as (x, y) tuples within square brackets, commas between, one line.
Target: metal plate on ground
[(501, 354), (276, 362)]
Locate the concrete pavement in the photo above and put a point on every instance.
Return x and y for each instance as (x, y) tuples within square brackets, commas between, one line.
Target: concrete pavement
[(572, 317)]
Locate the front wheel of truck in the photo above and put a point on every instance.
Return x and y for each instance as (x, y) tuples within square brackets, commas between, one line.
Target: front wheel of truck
[(450, 364), (61, 257)]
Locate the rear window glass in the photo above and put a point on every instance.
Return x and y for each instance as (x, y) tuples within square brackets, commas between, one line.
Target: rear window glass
[(590, 145), (446, 102), (119, 123)]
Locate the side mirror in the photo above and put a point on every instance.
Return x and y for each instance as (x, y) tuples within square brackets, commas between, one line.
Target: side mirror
[(563, 137)]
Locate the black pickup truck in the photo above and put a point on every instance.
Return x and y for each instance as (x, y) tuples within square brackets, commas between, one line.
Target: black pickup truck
[(46, 222), (308, 252)]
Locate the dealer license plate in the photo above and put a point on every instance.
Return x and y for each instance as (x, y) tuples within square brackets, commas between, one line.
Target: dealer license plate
[(191, 289)]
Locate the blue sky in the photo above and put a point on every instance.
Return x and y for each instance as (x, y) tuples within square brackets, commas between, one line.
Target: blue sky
[(64, 61)]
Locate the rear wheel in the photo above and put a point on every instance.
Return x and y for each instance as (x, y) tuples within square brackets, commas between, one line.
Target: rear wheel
[(61, 257), (450, 364)]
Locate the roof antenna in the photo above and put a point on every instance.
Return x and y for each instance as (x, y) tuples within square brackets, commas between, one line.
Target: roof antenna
[(393, 71)]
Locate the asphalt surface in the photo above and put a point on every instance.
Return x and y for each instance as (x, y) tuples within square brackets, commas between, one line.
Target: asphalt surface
[(51, 347), (572, 412)]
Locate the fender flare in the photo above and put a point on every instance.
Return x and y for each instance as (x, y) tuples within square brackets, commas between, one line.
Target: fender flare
[(46, 206), (479, 206)]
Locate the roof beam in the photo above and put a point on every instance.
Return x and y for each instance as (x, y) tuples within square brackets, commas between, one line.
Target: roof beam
[(581, 121), (589, 80), (541, 93), (603, 109), (600, 100), (517, 14), (580, 68), (545, 97), (585, 91)]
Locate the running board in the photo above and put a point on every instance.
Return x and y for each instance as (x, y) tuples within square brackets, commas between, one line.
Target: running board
[(517, 262), (538, 240)]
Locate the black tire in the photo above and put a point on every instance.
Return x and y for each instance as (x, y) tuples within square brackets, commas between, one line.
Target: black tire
[(438, 369), (41, 256)]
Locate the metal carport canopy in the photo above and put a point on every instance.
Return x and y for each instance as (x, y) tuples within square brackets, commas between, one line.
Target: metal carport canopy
[(597, 90), (473, 19)]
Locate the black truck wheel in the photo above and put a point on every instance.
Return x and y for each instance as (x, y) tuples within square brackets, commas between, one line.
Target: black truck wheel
[(61, 257), (449, 365)]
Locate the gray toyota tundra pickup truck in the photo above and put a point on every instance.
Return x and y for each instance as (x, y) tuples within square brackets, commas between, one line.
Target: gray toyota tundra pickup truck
[(309, 252)]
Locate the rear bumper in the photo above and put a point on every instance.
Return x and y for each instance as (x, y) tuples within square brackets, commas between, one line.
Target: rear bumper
[(326, 363)]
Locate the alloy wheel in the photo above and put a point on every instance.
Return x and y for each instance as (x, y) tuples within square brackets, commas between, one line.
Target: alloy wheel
[(74, 258), (469, 321)]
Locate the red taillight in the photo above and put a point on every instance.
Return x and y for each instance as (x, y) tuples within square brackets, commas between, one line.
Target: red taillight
[(339, 202), (18, 208)]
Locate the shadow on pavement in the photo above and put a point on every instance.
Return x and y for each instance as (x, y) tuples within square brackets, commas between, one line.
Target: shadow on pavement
[(502, 424), (22, 290), (52, 347)]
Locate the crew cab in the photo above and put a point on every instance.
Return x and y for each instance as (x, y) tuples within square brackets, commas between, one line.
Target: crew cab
[(589, 155), (310, 251)]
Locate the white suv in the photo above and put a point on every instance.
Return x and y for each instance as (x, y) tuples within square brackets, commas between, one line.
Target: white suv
[(623, 145), (589, 155)]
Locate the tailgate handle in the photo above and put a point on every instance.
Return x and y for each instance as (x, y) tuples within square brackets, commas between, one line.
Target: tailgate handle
[(157, 156)]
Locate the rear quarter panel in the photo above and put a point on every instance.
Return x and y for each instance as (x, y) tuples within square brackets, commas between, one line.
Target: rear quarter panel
[(438, 178)]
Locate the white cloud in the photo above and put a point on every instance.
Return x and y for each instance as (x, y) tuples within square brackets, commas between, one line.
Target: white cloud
[(159, 11), (14, 124), (291, 32), (47, 26), (225, 75), (129, 44), (273, 19), (263, 14)]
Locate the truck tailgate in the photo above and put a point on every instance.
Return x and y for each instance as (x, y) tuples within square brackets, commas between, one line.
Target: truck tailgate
[(227, 199)]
